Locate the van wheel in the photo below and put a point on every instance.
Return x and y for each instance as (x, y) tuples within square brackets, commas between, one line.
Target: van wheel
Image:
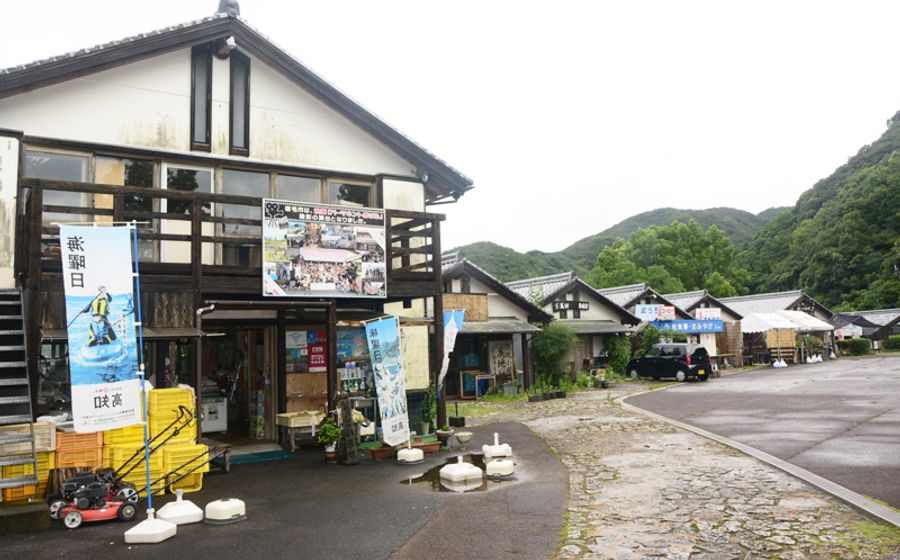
[(633, 374), (703, 377), (680, 376)]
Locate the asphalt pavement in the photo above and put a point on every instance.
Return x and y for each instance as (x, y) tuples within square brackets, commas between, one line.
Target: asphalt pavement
[(838, 419), (303, 508)]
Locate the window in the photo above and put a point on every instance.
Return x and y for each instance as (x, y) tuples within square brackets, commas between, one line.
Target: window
[(201, 97), (59, 167), (301, 189), (348, 194), (180, 178), (239, 127), (242, 183), (130, 173), (465, 285)]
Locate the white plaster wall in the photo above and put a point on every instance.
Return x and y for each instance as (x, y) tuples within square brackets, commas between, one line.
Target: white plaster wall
[(9, 171), (599, 311), (403, 195), (146, 104), (498, 306)]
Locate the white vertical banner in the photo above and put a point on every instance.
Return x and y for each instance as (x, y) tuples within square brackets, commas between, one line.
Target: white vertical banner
[(454, 320), (103, 360), (383, 336)]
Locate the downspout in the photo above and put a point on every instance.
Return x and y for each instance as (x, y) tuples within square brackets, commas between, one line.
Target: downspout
[(198, 376)]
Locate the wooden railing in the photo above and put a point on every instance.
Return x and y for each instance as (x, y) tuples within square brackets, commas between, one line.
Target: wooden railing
[(412, 252)]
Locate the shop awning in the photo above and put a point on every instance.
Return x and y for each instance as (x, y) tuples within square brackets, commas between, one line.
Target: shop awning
[(797, 320), (595, 327), (806, 322), (499, 326), (150, 333)]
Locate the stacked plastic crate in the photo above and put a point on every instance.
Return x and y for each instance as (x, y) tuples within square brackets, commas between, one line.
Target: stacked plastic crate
[(44, 444), (181, 453), (79, 450)]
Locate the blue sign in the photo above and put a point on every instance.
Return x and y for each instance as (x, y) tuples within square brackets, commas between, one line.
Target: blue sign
[(383, 336), (691, 327)]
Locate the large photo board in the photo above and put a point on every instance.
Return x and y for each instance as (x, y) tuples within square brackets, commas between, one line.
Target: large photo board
[(323, 250)]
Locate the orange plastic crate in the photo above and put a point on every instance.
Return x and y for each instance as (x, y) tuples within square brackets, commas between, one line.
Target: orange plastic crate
[(79, 458), (71, 441)]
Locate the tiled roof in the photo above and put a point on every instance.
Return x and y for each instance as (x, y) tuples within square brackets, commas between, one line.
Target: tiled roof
[(685, 300), (880, 317), (546, 285), (450, 268), (622, 295), (762, 303)]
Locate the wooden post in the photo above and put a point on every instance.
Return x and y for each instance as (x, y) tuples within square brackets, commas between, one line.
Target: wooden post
[(528, 374), (32, 314), (438, 317), (197, 253)]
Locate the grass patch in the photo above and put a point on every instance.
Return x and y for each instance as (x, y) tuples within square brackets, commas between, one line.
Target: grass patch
[(884, 504)]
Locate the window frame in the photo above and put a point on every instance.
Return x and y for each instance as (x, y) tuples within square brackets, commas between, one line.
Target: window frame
[(239, 59), (205, 52)]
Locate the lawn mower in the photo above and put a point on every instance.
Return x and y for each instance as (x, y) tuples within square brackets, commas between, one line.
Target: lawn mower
[(103, 494)]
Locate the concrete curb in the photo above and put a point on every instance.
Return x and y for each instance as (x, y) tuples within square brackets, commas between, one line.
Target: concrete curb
[(846, 495)]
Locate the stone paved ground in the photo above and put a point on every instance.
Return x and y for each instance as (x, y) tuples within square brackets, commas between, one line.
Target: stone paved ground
[(639, 488)]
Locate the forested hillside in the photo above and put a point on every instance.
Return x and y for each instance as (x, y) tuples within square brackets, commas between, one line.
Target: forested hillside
[(508, 264), (841, 242)]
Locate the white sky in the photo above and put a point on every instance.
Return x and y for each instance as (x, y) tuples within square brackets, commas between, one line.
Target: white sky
[(569, 116)]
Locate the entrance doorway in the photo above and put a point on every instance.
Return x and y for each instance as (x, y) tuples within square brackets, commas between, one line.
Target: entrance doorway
[(239, 392)]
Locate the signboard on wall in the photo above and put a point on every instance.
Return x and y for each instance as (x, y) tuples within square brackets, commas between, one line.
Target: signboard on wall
[(655, 312), (415, 356), (708, 313), (103, 360), (708, 326), (567, 305), (322, 250), (500, 356)]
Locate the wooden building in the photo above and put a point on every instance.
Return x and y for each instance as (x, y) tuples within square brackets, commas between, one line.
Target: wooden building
[(726, 346), (186, 130)]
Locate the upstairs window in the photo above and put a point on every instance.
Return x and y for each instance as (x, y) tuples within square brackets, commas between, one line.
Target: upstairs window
[(201, 97), (239, 127), (349, 194)]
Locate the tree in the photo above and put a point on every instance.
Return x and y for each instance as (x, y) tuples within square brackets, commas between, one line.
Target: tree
[(549, 350)]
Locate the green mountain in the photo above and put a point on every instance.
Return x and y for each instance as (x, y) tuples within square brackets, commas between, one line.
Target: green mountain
[(841, 241), (508, 264)]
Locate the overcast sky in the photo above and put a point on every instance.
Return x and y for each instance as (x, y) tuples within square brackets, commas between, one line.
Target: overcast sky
[(569, 116)]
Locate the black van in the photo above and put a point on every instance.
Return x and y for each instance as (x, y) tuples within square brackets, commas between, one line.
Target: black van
[(678, 360)]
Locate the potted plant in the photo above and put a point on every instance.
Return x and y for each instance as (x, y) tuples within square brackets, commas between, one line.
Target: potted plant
[(428, 408), (329, 433), (444, 434)]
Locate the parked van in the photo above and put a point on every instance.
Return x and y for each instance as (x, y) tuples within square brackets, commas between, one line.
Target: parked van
[(679, 360)]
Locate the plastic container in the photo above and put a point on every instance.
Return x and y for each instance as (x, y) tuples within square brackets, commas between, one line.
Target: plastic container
[(24, 492), (71, 440), (126, 435), (496, 450), (44, 438), (167, 401), (190, 483), (45, 462), (461, 471), (500, 468), (187, 431), (183, 458), (225, 511), (181, 511), (79, 458), (123, 454)]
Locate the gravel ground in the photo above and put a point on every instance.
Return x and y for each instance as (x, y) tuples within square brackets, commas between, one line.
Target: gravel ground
[(640, 488)]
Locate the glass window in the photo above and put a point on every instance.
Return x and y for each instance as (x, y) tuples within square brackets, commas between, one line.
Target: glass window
[(240, 104), (653, 352), (59, 167), (304, 189), (243, 183), (191, 180), (348, 194), (201, 97), (131, 173)]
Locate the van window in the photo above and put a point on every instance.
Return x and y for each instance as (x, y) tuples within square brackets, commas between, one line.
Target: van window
[(653, 352)]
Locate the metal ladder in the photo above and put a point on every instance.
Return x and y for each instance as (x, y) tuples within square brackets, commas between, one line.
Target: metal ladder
[(15, 391)]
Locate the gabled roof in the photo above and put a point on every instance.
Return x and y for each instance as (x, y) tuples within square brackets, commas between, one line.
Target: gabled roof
[(688, 301), (543, 285), (463, 267), (552, 286), (880, 317), (629, 295), (770, 302), (443, 180)]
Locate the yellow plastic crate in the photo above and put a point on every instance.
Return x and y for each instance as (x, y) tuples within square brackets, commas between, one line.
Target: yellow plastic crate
[(44, 438), (167, 401), (45, 462), (126, 435), (185, 457), (187, 431), (190, 483), (123, 454), (138, 478), (25, 492)]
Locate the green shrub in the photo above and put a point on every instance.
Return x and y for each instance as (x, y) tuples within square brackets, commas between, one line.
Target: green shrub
[(856, 346), (892, 342), (619, 353), (642, 340), (549, 349)]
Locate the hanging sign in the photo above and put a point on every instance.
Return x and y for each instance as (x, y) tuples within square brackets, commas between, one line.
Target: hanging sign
[(453, 323), (322, 250), (383, 336), (708, 326), (103, 359)]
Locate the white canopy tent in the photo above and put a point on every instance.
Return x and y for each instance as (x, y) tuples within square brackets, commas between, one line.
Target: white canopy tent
[(776, 320)]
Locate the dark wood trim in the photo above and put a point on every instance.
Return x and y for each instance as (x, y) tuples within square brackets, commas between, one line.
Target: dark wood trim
[(197, 254), (238, 59), (201, 54), (333, 381)]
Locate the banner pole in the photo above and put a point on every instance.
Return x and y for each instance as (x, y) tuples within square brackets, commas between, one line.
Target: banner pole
[(140, 352)]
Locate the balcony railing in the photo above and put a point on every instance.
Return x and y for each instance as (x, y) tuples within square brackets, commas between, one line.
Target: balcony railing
[(196, 240)]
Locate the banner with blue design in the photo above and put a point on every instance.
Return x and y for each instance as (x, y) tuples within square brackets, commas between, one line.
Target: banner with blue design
[(705, 326), (454, 319), (103, 360), (383, 336)]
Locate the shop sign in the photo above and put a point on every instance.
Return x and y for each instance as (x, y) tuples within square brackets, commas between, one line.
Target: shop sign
[(318, 357), (383, 336), (567, 305), (707, 326), (707, 313), (103, 361), (323, 250), (647, 312)]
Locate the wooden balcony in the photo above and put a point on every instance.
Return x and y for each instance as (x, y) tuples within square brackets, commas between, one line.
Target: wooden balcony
[(209, 261)]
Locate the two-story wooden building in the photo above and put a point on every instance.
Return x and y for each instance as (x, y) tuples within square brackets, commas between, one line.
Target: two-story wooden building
[(186, 130)]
